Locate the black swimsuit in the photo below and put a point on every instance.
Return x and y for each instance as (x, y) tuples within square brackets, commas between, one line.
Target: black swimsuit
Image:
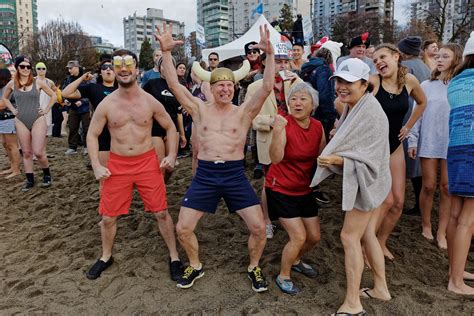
[(395, 107)]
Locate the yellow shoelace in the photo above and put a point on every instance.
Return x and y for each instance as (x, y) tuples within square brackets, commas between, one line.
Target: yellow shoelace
[(187, 273)]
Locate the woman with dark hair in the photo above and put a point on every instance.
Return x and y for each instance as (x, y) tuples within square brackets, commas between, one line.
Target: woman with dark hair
[(392, 88), (359, 151), (181, 72), (430, 50), (429, 140), (460, 172), (30, 122), (95, 92), (8, 131)]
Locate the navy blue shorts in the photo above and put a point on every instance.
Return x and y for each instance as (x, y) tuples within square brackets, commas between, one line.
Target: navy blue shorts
[(214, 181)]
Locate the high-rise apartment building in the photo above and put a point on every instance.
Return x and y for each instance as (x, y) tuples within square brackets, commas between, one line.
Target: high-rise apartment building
[(241, 19), (455, 11), (137, 28), (213, 15), (18, 22), (240, 14), (325, 12)]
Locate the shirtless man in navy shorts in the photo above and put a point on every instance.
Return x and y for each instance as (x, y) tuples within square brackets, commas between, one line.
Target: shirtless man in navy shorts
[(221, 130)]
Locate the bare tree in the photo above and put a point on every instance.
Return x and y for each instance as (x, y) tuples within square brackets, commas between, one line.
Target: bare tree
[(415, 28), (439, 15), (353, 24), (178, 52), (191, 39), (59, 41)]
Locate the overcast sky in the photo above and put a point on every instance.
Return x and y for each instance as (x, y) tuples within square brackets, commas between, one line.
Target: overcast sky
[(104, 17)]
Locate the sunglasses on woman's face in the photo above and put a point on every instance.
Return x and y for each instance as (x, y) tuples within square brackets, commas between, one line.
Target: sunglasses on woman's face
[(253, 51), (107, 66), (40, 69), (25, 66)]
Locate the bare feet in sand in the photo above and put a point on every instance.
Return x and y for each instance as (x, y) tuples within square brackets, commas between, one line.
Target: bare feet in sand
[(468, 276), (376, 294), (442, 242), (427, 233), (461, 289), (6, 171), (13, 174), (387, 254)]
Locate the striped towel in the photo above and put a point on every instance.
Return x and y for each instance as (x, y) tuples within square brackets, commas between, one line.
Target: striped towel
[(461, 134)]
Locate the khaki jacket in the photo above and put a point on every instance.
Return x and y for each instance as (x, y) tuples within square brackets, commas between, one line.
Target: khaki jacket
[(261, 122)]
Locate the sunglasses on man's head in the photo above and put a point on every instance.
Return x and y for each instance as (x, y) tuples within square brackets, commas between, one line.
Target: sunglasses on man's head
[(25, 66), (107, 66), (127, 60), (40, 68), (253, 51)]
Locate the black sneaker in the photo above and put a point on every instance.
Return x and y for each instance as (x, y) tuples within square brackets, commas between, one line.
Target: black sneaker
[(27, 186), (176, 270), (46, 182), (259, 284), (98, 267), (189, 276), (321, 197)]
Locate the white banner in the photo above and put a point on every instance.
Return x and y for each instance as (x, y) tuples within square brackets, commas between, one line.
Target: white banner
[(200, 37)]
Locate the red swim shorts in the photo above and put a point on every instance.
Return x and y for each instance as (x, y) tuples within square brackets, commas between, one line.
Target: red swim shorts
[(142, 171)]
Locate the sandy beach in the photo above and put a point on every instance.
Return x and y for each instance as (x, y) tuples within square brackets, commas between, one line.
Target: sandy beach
[(50, 237)]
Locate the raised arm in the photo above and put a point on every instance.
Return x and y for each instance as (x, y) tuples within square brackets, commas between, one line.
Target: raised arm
[(254, 104), (71, 92), (182, 94), (277, 146)]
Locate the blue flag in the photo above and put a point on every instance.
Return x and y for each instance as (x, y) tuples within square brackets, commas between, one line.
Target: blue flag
[(258, 9)]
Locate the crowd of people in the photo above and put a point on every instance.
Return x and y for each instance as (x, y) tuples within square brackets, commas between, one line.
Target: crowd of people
[(376, 117)]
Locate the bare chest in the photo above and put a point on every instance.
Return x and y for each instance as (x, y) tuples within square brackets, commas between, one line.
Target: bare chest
[(226, 124), (121, 115)]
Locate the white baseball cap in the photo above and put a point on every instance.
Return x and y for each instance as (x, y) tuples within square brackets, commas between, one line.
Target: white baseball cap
[(281, 51), (352, 69), (469, 48)]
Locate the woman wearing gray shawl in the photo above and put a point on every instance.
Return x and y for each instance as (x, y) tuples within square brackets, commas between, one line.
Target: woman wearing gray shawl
[(359, 151)]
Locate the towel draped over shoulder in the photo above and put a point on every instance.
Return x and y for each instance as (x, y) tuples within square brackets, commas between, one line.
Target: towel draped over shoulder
[(361, 139)]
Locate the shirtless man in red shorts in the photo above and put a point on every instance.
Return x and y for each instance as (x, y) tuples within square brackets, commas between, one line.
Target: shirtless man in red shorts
[(128, 112)]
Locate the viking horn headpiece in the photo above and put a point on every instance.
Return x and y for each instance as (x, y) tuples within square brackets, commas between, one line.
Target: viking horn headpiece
[(221, 74)]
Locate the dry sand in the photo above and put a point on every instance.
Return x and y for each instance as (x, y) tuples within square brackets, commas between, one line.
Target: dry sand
[(49, 237)]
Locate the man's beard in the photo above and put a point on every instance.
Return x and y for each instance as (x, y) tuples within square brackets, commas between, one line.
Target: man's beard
[(127, 84)]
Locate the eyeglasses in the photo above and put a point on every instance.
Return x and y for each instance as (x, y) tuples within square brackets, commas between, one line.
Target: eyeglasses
[(127, 60), (107, 66), (40, 69), (213, 59), (25, 66), (253, 51)]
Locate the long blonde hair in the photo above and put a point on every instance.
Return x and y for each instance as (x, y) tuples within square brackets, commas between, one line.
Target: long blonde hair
[(401, 70), (457, 59)]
